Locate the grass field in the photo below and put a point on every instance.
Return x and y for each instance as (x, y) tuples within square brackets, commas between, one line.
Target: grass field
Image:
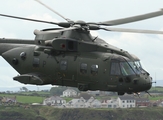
[(67, 99), (156, 89), (154, 98), (26, 99), (38, 92)]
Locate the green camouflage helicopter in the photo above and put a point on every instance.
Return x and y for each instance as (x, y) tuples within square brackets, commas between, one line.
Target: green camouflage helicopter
[(71, 56)]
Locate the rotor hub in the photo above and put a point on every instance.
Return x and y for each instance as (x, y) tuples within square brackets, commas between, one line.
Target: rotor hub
[(80, 22)]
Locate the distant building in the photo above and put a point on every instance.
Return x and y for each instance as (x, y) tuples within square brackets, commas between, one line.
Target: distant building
[(93, 103), (110, 103), (96, 104), (113, 103), (94, 93), (160, 104), (69, 93), (76, 103), (157, 103), (142, 102), (89, 102), (99, 93), (54, 101), (9, 100), (126, 101)]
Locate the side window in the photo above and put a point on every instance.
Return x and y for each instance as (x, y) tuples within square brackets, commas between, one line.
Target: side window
[(115, 69), (36, 62), (63, 65), (83, 68), (94, 69)]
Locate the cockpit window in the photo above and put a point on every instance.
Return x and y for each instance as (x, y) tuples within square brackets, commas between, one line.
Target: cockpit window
[(136, 65), (115, 69), (126, 69)]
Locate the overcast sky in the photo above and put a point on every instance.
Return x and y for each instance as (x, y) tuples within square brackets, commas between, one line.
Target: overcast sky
[(149, 48)]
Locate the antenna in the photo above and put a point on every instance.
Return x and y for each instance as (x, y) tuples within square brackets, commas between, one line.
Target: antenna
[(155, 81)]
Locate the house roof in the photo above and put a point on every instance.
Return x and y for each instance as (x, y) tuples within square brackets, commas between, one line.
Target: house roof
[(96, 101), (126, 98), (91, 99), (73, 101), (54, 98)]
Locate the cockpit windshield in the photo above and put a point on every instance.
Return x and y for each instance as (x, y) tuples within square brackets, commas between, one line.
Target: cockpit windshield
[(137, 67), (121, 68), (126, 68)]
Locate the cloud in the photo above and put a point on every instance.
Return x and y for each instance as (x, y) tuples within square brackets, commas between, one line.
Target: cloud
[(26, 4), (6, 74), (94, 33), (7, 81), (4, 34)]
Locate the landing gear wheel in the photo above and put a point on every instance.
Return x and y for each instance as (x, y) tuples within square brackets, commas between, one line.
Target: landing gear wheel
[(82, 87)]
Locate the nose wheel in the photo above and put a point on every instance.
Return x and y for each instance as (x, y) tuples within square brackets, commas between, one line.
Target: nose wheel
[(121, 93)]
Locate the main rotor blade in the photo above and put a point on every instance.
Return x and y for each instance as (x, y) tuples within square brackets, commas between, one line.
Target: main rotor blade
[(132, 30), (132, 19), (42, 21), (68, 20)]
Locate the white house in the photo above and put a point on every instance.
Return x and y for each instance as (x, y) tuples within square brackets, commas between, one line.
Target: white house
[(54, 101), (94, 103), (89, 101), (76, 103), (113, 103), (94, 93), (126, 101), (69, 93)]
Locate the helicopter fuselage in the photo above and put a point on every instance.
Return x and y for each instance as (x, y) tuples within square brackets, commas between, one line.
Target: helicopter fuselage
[(60, 58)]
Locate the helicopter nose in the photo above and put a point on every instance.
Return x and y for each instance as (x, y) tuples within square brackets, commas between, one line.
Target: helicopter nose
[(143, 83), (147, 82)]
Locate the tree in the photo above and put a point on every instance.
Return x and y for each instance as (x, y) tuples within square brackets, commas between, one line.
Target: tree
[(25, 89), (21, 89), (57, 90)]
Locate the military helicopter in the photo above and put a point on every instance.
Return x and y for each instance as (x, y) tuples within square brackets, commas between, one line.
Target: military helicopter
[(71, 56)]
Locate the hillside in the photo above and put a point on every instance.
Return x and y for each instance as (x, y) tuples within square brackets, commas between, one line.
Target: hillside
[(50, 113)]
